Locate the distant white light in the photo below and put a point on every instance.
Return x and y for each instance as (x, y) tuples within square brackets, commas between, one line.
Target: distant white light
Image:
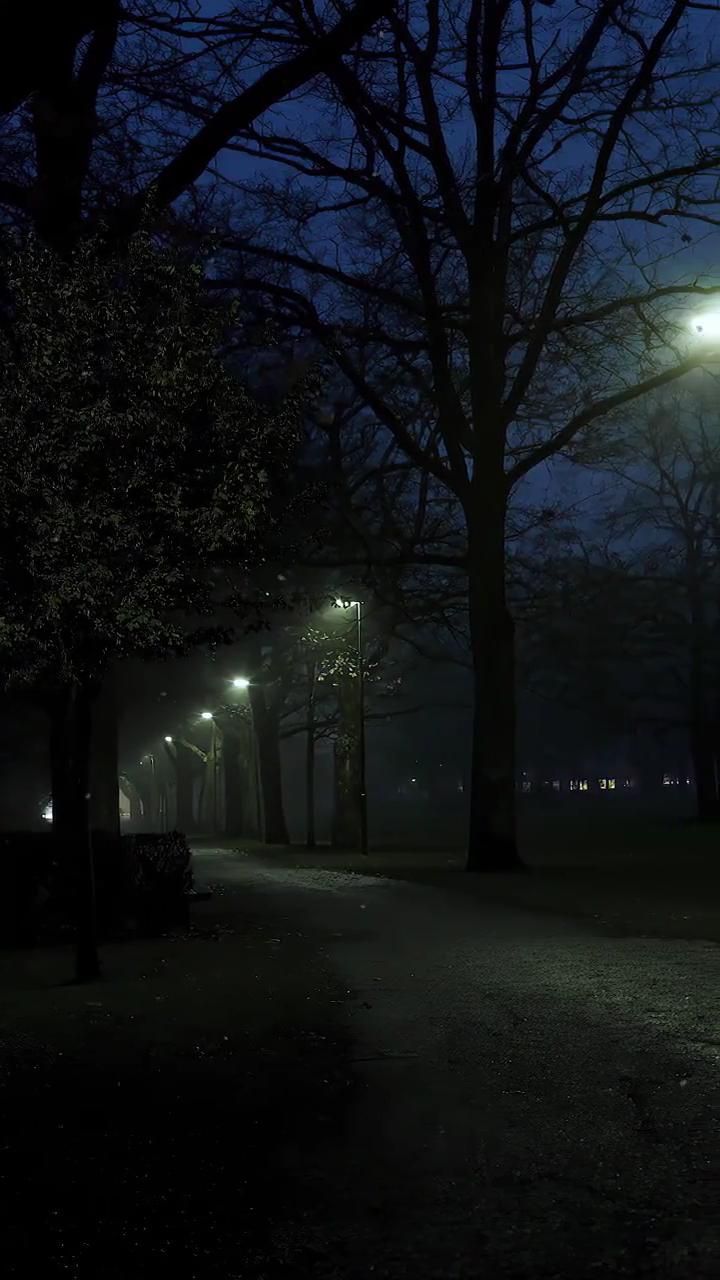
[(206, 715), (706, 326), (241, 682), (47, 812), (168, 737)]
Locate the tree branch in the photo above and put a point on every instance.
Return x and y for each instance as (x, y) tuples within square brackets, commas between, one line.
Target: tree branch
[(233, 117)]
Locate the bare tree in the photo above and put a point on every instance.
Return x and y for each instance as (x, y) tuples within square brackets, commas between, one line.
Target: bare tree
[(667, 509), (114, 100), (476, 228)]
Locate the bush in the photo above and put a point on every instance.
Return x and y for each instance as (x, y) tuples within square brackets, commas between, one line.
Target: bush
[(29, 869), (143, 877), (161, 877)]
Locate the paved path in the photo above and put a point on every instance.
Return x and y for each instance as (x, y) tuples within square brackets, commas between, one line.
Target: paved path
[(531, 1098)]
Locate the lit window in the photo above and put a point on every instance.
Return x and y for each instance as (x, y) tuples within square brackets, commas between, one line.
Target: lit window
[(603, 784), (574, 784), (583, 785), (667, 780), (611, 784)]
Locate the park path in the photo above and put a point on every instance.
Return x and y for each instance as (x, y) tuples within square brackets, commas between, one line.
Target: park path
[(528, 1096)]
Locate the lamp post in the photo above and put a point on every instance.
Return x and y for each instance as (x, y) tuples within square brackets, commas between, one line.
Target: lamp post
[(208, 715), (706, 326), (362, 787), (154, 799)]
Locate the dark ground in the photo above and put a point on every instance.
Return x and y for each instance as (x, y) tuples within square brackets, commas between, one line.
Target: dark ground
[(415, 1074)]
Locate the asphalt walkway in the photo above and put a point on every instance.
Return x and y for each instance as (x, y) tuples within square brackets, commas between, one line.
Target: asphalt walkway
[(528, 1095)]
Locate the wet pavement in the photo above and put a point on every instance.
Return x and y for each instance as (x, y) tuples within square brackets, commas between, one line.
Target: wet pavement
[(527, 1096)]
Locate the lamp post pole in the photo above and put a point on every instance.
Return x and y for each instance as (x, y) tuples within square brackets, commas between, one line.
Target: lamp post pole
[(361, 727), (154, 801), (215, 771)]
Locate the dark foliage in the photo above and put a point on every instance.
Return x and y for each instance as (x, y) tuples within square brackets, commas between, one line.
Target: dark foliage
[(142, 883)]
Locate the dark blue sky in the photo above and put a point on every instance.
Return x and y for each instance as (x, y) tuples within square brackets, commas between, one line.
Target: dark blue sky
[(557, 478)]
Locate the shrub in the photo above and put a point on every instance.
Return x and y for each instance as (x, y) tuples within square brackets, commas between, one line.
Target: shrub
[(29, 869), (161, 877), (145, 877)]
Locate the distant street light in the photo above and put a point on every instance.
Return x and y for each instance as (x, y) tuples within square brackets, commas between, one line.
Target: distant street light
[(206, 715), (346, 604), (168, 737), (241, 682)]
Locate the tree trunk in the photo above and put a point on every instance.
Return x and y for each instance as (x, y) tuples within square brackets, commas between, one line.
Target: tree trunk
[(184, 786), (268, 747), (163, 805), (234, 807), (145, 790), (241, 785), (492, 837), (702, 736), (705, 768), (70, 751), (135, 799), (346, 819), (215, 779), (104, 782), (250, 773), (310, 839)]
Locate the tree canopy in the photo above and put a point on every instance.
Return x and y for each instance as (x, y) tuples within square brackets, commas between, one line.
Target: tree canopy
[(133, 462)]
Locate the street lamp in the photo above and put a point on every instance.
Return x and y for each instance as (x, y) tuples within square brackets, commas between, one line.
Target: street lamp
[(168, 737), (706, 326), (206, 715), (362, 796), (241, 682)]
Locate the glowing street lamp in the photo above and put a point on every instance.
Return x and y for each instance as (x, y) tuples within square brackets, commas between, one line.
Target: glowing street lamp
[(706, 326), (241, 682), (206, 715), (168, 737)]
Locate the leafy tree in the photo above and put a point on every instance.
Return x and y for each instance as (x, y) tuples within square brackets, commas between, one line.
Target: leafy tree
[(102, 102), (133, 466)]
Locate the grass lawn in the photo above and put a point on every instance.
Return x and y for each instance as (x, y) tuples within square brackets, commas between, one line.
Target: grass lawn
[(152, 1122)]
